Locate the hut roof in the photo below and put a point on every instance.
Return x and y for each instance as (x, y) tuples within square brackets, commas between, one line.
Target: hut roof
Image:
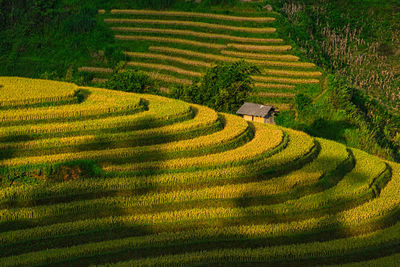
[(253, 109)]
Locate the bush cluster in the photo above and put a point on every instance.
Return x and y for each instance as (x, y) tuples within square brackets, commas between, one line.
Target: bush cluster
[(224, 87)]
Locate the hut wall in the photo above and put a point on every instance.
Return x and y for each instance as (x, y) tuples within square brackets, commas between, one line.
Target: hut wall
[(259, 119), (248, 118)]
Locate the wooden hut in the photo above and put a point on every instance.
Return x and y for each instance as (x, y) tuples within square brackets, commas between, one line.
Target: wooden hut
[(257, 112)]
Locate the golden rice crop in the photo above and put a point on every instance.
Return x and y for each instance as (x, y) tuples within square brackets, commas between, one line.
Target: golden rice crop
[(235, 126), (191, 15), (351, 204), (169, 78), (364, 171), (379, 206), (164, 90), (273, 94), (169, 58), (191, 24), (264, 48), (196, 214), (25, 91), (163, 67), (160, 109), (292, 73), (99, 102), (300, 142), (192, 53), (283, 64), (154, 75), (99, 80), (272, 230), (310, 252), (282, 106), (308, 174), (260, 55), (391, 260), (201, 236), (274, 85), (312, 172), (255, 147), (214, 57), (198, 34), (169, 40), (95, 69), (299, 146), (291, 207), (305, 225), (284, 80), (353, 185), (204, 117), (253, 231), (350, 208)]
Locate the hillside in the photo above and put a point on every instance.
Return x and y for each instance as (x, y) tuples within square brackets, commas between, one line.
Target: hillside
[(105, 177), (358, 42), (174, 51), (53, 39)]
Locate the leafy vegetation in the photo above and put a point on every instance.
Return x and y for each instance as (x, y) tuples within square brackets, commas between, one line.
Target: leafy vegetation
[(224, 87), (131, 81), (356, 41)]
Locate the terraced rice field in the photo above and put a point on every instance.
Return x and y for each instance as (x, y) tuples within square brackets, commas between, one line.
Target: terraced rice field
[(23, 92), (174, 50), (180, 184)]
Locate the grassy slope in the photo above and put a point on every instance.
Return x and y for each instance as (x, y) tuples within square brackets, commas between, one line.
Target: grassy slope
[(370, 109)]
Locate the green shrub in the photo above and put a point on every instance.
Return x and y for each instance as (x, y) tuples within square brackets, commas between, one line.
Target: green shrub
[(224, 87), (83, 22), (72, 170), (131, 81), (302, 102), (58, 172), (114, 55), (286, 118)]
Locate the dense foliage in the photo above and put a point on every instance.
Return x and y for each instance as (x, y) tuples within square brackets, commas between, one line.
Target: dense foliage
[(48, 36), (40, 36), (224, 87), (357, 41), (131, 81)]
